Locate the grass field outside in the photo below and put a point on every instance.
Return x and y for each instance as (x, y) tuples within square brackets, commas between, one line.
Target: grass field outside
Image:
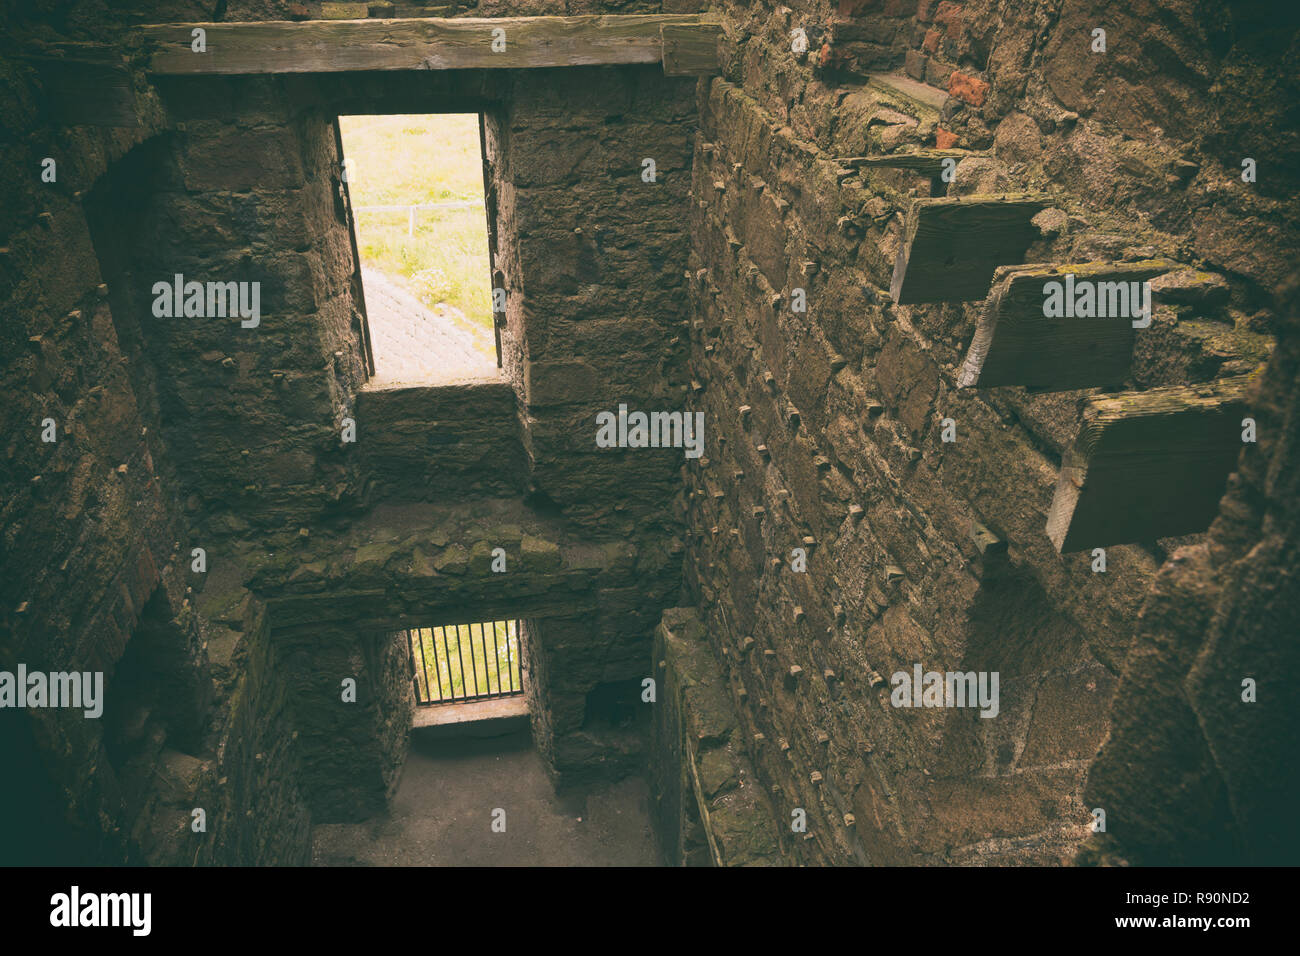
[(409, 159), (459, 661)]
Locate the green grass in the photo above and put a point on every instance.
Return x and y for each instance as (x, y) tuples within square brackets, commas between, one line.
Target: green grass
[(456, 661), (416, 159)]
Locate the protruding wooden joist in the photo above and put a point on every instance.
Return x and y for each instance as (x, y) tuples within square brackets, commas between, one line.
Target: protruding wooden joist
[(953, 245), (86, 84), (898, 84), (927, 162), (1148, 465), (689, 45), (1016, 343), (690, 49)]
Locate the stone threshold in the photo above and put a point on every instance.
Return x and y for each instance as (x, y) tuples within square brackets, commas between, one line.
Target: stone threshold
[(471, 712)]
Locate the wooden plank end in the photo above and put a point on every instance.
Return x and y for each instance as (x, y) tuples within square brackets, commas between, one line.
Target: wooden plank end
[(1148, 465), (690, 49)]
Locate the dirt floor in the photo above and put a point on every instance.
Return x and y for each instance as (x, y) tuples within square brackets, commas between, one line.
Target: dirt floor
[(443, 810)]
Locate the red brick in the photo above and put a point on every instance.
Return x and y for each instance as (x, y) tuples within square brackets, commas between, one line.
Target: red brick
[(937, 73), (944, 139), (950, 15), (969, 88)]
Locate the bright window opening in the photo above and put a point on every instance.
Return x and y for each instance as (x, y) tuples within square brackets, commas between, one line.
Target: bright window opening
[(466, 662), (416, 188)]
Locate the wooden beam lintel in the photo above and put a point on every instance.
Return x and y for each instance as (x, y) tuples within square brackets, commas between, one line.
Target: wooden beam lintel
[(686, 44)]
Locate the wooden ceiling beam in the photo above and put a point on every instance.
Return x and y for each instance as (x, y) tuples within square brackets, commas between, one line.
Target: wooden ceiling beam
[(686, 44)]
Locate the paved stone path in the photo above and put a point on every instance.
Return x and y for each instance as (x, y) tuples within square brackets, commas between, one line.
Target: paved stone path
[(415, 345)]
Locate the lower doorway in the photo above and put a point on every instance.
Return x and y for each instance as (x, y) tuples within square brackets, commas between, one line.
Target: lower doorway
[(467, 673)]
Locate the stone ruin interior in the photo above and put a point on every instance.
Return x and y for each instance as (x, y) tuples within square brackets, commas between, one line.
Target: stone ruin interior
[(830, 232)]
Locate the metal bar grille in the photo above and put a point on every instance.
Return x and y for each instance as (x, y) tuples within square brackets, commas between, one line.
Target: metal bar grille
[(452, 663)]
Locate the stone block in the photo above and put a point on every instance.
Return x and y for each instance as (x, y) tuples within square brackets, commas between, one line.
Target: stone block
[(559, 383), (539, 554), (344, 11), (914, 63)]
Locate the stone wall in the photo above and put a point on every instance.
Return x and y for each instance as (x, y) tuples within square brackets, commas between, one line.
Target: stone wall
[(589, 603), (243, 190), (827, 422), (550, 271), (176, 433), (822, 434), (710, 808), (594, 259), (426, 444), (258, 810), (1192, 772), (352, 739), (94, 551)]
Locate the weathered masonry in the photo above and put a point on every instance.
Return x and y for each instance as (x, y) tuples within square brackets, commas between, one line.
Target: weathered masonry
[(836, 231), (315, 549)]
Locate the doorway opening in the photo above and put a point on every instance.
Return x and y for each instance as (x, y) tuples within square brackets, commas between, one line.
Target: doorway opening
[(458, 663), (468, 675), (416, 188)]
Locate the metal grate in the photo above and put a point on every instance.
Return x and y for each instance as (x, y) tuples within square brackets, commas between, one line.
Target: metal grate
[(461, 662)]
